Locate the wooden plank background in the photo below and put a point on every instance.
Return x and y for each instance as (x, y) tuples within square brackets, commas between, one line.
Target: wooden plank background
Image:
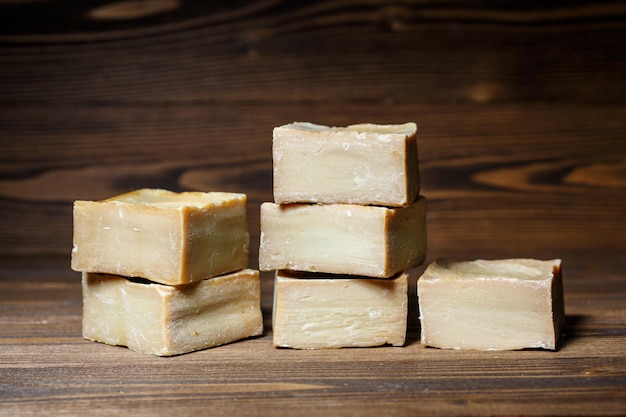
[(521, 108), (521, 111)]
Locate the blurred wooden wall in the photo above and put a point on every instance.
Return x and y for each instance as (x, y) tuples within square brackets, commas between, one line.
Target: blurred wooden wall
[(521, 109)]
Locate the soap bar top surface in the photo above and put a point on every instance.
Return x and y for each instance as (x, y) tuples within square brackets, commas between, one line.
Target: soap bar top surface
[(507, 269), (164, 320), (167, 237), (164, 199), (365, 164), (402, 130), (502, 304), (323, 311)]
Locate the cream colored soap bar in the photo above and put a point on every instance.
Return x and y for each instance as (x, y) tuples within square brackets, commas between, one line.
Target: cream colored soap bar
[(492, 305), (314, 311), (166, 320), (343, 238), (171, 238), (358, 164)]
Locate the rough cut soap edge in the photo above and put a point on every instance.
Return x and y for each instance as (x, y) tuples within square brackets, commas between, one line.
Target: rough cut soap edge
[(129, 197), (558, 302), (406, 129)]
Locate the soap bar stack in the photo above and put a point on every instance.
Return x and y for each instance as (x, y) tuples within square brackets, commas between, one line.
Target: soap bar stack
[(166, 273), (346, 224)]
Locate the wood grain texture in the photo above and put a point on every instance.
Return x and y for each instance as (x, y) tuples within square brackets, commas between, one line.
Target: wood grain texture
[(520, 108), (521, 111)]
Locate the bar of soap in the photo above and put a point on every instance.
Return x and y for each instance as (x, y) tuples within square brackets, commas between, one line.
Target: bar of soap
[(166, 237), (314, 311), (364, 164), (165, 320), (343, 238), (504, 304)]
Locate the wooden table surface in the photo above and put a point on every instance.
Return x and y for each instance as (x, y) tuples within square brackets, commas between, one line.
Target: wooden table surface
[(521, 113), (46, 366)]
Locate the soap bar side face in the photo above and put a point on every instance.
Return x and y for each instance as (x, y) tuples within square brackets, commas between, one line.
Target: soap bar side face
[(324, 238), (215, 311), (165, 320), (407, 236), (558, 302), (124, 239), (118, 313), (490, 305), (359, 164), (341, 238), (343, 311), (216, 241)]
